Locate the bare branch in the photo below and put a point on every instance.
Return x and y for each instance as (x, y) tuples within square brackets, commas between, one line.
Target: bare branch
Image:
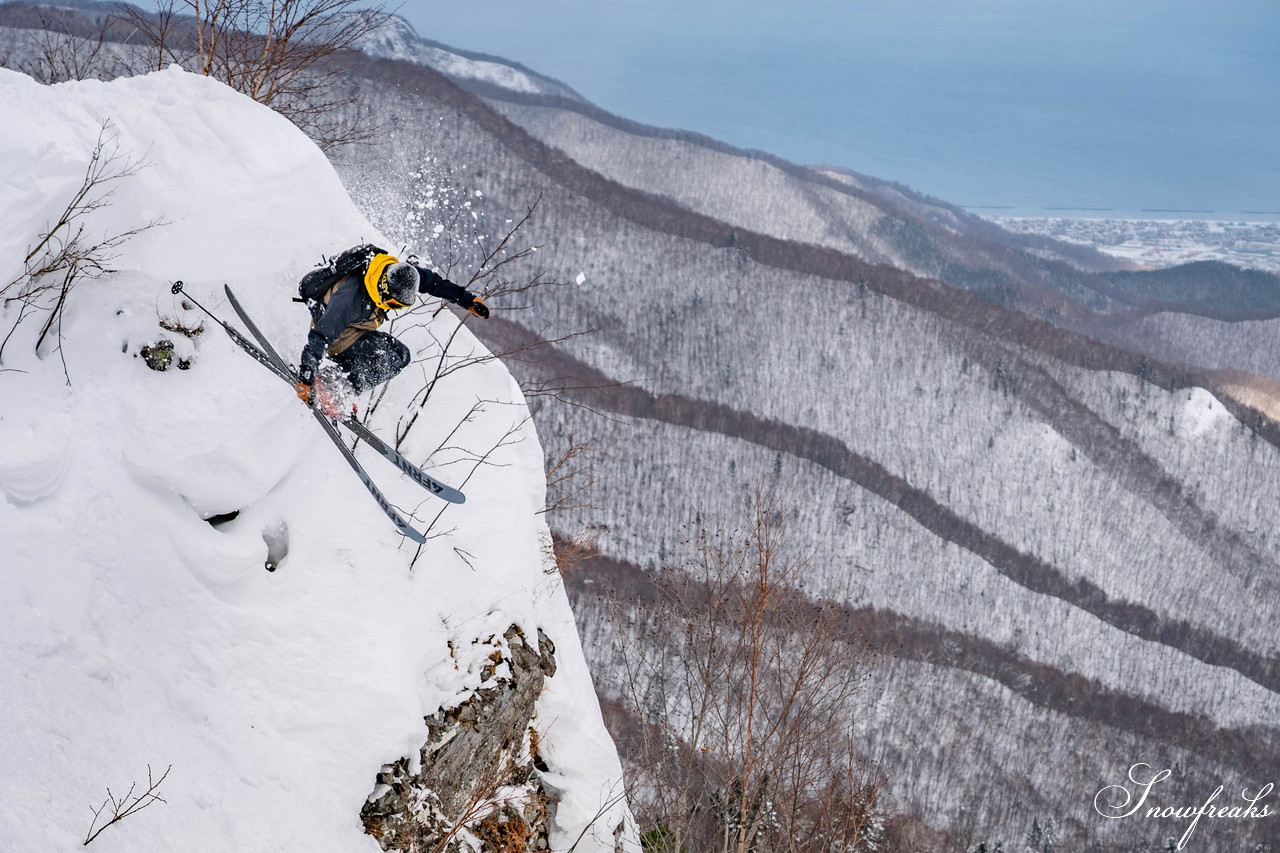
[(570, 477), (507, 439), (122, 807), (63, 55), (64, 255)]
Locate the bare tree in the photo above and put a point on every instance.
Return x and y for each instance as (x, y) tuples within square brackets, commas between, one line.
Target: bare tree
[(741, 697), (286, 54), (62, 54), (447, 355)]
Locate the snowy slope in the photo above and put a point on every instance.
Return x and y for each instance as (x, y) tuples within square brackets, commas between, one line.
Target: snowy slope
[(135, 633)]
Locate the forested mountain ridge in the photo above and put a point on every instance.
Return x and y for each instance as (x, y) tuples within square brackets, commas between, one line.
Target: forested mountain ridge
[(1176, 314), (1055, 533), (1164, 313)]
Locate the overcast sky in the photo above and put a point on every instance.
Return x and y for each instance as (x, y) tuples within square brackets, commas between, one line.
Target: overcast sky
[(1132, 104)]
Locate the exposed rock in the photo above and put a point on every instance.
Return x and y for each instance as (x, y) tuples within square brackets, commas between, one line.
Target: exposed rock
[(477, 786)]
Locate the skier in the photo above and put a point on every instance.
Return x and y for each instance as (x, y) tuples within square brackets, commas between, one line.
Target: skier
[(349, 299)]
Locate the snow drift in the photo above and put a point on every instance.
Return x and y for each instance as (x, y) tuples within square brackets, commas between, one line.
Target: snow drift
[(135, 632)]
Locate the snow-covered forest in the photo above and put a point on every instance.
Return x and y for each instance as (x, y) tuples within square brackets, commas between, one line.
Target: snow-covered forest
[(1065, 541)]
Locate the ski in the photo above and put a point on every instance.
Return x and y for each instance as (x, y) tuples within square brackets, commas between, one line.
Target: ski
[(362, 432), (269, 358), (396, 458), (398, 520), (278, 366)]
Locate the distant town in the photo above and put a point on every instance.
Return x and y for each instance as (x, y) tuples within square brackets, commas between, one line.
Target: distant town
[(1155, 243)]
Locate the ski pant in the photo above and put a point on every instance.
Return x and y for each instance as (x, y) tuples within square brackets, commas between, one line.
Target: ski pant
[(374, 358)]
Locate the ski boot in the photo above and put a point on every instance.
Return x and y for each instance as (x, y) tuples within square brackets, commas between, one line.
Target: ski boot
[(334, 395)]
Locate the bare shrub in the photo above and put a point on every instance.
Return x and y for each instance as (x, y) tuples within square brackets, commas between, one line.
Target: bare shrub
[(65, 254), (494, 278), (570, 477), (740, 697), (569, 552)]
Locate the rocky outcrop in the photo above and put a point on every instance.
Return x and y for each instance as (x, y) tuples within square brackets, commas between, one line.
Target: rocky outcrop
[(476, 785)]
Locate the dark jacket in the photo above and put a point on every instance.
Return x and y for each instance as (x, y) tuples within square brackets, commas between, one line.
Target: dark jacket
[(348, 313)]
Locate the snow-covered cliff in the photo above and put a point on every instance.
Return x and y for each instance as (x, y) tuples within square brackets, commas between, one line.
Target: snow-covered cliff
[(193, 580)]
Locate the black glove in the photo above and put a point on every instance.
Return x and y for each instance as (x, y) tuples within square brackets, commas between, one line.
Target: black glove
[(476, 306)]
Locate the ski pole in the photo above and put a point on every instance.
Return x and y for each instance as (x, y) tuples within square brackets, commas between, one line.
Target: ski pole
[(177, 288), (235, 335)]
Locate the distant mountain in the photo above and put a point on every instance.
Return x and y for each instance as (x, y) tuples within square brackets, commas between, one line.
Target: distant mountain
[(1066, 284), (1215, 288), (477, 72)]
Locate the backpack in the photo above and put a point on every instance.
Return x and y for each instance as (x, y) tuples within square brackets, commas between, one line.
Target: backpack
[(316, 284)]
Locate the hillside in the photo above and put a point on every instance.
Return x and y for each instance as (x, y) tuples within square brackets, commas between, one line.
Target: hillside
[(1199, 315), (1054, 535), (197, 589)]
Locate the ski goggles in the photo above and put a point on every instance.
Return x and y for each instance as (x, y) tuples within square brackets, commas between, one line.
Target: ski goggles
[(389, 302)]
